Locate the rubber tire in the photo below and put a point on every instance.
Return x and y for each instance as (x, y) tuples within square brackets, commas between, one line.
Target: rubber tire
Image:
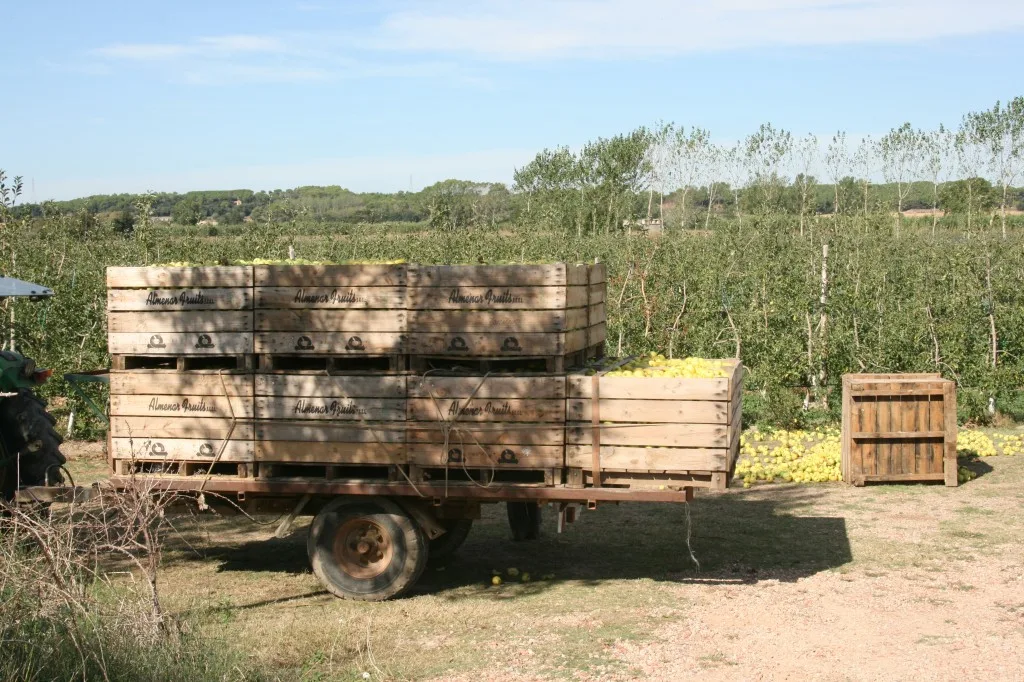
[(27, 430), (524, 519), (408, 541), (444, 546)]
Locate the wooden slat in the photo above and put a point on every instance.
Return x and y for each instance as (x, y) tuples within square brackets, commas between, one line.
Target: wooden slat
[(513, 321), (667, 411), (486, 410), (330, 343), (481, 298), (180, 383), (160, 277), (486, 456), (488, 275), (897, 434), (179, 299), (330, 275), (180, 343), (658, 435), (192, 407), (543, 388), (578, 297), (901, 477), (180, 321), (650, 458), (330, 453), (949, 459), (336, 297), (355, 321), (496, 344), (340, 432), (182, 449), (349, 386), (488, 434), (650, 388), (141, 428), (329, 408)]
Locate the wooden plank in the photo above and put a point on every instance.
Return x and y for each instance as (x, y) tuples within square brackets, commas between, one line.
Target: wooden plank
[(651, 411), (513, 321), (552, 275), (650, 459), (659, 435), (348, 386), (735, 421), (179, 299), (330, 408), (540, 387), (180, 343), (182, 449), (845, 463), (908, 390), (330, 452), (499, 344), (176, 427), (486, 410), (578, 297), (481, 297), (486, 456), (638, 481), (353, 342), (949, 460), (339, 432), (487, 434), (167, 277), (356, 321), (183, 321), (351, 275), (582, 339), (650, 388), (936, 420), (197, 406), (331, 297), (897, 435), (901, 477), (180, 383)]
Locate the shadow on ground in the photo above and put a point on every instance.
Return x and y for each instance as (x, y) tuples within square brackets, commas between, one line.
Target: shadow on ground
[(738, 537)]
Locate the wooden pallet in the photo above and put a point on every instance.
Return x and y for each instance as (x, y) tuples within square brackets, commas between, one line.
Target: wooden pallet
[(659, 426), (899, 427), (180, 311), (241, 362)]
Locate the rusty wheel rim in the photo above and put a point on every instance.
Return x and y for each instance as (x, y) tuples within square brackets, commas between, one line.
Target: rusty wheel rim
[(363, 548)]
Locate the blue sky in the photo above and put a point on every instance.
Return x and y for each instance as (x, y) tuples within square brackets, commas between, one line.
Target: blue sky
[(133, 96)]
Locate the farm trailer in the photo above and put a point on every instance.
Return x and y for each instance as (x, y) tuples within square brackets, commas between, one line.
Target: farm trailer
[(391, 402)]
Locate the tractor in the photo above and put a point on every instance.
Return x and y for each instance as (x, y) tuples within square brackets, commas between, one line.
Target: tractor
[(29, 445)]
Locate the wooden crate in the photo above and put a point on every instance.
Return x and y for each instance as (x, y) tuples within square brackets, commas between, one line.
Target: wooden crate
[(181, 417), (330, 309), (899, 427), (654, 429), (505, 310), (486, 422), (330, 420), (179, 311)]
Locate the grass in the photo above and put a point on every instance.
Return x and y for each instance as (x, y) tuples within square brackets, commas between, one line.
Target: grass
[(619, 573)]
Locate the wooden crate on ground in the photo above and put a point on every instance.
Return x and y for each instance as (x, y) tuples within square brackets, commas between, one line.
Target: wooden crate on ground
[(330, 310), (487, 424), (330, 420), (179, 311), (506, 310), (899, 427), (185, 419), (653, 431)]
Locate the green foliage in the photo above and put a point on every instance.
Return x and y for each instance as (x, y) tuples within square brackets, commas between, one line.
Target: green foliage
[(124, 223), (188, 211)]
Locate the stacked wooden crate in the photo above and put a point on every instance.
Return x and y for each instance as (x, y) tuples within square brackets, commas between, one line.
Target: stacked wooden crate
[(181, 387), (653, 431), (899, 427)]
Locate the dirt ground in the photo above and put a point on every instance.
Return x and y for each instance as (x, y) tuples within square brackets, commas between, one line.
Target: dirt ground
[(822, 582)]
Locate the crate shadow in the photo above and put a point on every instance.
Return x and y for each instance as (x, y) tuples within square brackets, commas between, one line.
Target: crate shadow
[(738, 537)]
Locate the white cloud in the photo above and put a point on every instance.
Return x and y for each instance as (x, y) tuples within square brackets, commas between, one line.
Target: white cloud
[(210, 46), (541, 29), (360, 174)]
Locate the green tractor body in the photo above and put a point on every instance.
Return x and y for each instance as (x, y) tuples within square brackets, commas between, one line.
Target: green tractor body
[(29, 444)]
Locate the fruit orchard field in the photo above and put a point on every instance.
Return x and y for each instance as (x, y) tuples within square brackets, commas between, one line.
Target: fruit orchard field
[(752, 287)]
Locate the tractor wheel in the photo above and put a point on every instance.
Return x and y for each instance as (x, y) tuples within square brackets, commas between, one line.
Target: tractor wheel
[(31, 446), (444, 546), (524, 520), (366, 548)]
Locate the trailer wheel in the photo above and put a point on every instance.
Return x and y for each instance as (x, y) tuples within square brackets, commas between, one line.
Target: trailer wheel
[(524, 520), (366, 548), (456, 532)]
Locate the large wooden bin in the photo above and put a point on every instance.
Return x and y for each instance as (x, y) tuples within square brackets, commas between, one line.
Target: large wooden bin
[(899, 427), (654, 430)]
